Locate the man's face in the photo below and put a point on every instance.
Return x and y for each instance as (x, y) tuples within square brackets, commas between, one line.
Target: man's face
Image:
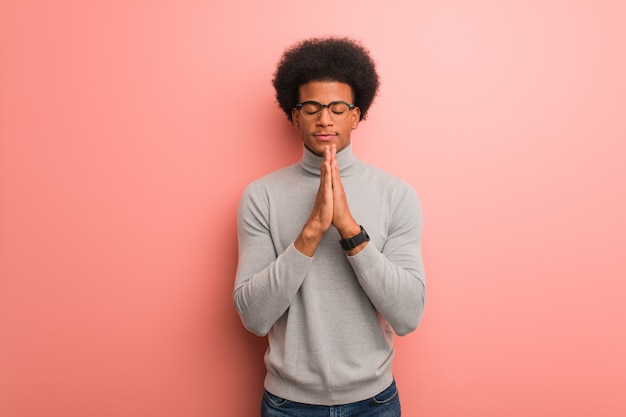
[(327, 128)]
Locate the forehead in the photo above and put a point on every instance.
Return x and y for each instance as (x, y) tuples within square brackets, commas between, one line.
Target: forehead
[(325, 91)]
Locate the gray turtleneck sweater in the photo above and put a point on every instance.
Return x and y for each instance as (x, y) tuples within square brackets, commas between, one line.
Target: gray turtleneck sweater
[(330, 318)]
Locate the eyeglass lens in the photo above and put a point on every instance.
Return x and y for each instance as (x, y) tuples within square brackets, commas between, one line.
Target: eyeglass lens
[(338, 110)]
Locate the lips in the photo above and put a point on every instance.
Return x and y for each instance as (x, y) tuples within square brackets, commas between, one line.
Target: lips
[(324, 137)]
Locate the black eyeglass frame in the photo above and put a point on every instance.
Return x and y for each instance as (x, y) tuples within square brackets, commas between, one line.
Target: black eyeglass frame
[(322, 106)]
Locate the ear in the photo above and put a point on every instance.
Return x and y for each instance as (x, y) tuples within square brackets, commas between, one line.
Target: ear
[(356, 117), (295, 118)]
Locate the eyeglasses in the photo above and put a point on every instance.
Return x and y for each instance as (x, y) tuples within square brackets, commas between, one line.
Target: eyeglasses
[(338, 110)]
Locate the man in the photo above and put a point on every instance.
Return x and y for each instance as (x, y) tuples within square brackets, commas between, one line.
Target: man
[(330, 262)]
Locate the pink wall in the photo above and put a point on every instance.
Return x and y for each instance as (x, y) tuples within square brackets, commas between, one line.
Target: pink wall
[(128, 130)]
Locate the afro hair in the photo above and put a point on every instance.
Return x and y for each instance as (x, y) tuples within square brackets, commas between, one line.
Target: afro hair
[(326, 59)]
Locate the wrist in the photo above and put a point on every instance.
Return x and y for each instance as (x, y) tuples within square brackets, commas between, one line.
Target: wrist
[(309, 239), (349, 230)]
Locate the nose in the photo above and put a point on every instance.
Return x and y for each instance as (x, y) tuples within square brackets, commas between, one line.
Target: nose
[(324, 118)]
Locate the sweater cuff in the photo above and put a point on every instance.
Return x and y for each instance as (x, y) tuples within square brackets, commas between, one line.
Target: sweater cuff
[(365, 259), (297, 257)]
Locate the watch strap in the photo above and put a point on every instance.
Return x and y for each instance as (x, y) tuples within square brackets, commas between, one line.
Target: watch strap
[(354, 241)]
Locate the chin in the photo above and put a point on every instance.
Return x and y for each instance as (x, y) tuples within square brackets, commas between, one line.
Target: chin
[(317, 150)]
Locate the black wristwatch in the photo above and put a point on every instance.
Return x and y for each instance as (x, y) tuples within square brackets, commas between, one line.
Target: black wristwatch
[(354, 241)]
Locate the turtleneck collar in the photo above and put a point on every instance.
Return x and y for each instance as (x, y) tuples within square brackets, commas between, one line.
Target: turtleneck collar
[(311, 162)]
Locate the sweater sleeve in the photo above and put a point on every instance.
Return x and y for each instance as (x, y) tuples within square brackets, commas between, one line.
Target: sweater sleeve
[(394, 277), (266, 281)]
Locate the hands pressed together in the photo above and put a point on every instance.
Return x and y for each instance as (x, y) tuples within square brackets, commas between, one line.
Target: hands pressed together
[(330, 208)]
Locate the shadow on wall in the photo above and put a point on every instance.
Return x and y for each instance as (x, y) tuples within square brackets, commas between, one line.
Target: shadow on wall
[(243, 366)]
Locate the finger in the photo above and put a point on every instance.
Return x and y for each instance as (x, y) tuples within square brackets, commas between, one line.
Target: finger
[(325, 189), (328, 176), (336, 174)]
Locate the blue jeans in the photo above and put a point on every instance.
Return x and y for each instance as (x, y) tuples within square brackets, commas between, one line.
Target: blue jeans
[(385, 404)]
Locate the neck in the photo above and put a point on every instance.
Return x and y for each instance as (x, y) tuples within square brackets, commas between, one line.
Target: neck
[(311, 162)]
